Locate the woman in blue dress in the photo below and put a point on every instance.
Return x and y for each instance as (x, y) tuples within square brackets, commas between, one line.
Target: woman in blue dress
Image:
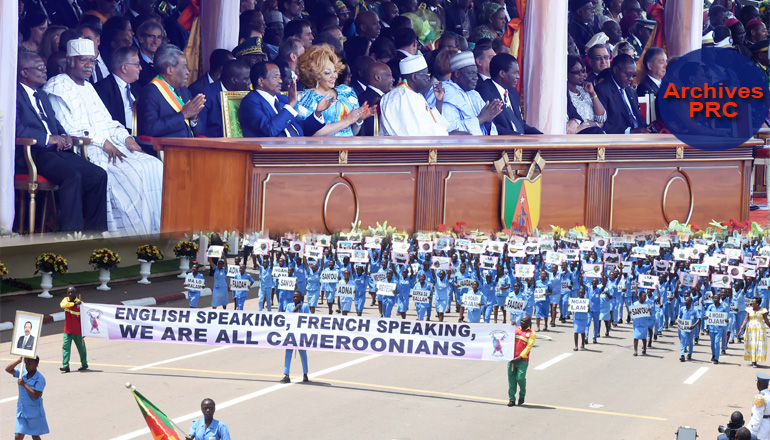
[(361, 280), (194, 295), (542, 303), (404, 286), (318, 69), (346, 303), (30, 414), (605, 306), (641, 325), (313, 285), (442, 290), (580, 322), (328, 289), (220, 294), (423, 307)]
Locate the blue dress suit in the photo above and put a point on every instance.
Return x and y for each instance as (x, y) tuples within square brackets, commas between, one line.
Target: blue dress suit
[(259, 118)]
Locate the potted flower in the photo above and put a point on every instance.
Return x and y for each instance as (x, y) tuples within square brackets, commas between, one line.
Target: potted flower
[(105, 260), (146, 255), (3, 270), (185, 250), (48, 265)]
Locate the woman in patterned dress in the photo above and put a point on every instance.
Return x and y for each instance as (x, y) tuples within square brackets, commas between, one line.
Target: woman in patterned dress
[(583, 98), (318, 70), (754, 324)]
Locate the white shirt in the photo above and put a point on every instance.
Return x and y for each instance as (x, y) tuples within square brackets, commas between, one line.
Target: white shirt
[(272, 100), (376, 90), (484, 78), (127, 110), (99, 64), (656, 81), (502, 91), (31, 93), (407, 113), (363, 86), (405, 52), (146, 59)]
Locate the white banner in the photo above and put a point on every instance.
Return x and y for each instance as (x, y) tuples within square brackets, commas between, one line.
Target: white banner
[(280, 272), (287, 283), (194, 283), (515, 305), (718, 319), (420, 296), (471, 301), (346, 291), (236, 284), (578, 305), (385, 289), (233, 270), (329, 276), (641, 311), (246, 328)]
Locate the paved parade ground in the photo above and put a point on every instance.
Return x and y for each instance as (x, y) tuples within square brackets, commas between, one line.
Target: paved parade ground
[(600, 393)]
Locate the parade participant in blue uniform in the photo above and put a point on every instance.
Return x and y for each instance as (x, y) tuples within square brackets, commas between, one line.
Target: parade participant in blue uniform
[(739, 296), (605, 306), (716, 331), (458, 277), (30, 414), (220, 294), (580, 322), (487, 288), (388, 301), (611, 287), (641, 324), (422, 308), (502, 287), (381, 269), (313, 285), (208, 428), (346, 303), (626, 289), (442, 290), (376, 261), (266, 284), (239, 296), (285, 295), (194, 295), (594, 293), (328, 289), (517, 293), (430, 278), (299, 306), (474, 313), (554, 282), (361, 280), (569, 289), (404, 285), (300, 273), (542, 292), (688, 323)]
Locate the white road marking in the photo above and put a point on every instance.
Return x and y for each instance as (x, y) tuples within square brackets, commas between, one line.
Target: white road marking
[(558, 358), (9, 399), (695, 376), (154, 364), (253, 395)]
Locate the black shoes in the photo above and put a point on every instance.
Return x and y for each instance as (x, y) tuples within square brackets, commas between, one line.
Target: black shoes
[(304, 378), (285, 379), (82, 368), (511, 403), (681, 358), (521, 401), (64, 369)]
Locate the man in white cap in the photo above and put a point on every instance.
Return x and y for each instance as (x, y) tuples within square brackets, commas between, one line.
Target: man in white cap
[(404, 109), (463, 107), (135, 179)]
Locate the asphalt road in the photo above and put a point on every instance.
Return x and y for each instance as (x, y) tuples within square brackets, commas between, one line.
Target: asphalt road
[(600, 393)]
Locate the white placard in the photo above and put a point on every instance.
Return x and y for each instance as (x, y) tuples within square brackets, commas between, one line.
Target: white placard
[(652, 250), (495, 247), (379, 277), (280, 271), (345, 290), (488, 262), (441, 263), (215, 251), (420, 296), (443, 243), (262, 247), (314, 252), (471, 301), (733, 254), (578, 305), (592, 270), (699, 269), (639, 311), (688, 279), (684, 324), (236, 284), (719, 280), (516, 251), (572, 254), (552, 257), (194, 283), (566, 285), (233, 270), (611, 258), (515, 305), (330, 276), (425, 246), (718, 319), (763, 283), (385, 289), (297, 247), (524, 270), (323, 240), (373, 242), (586, 245), (660, 266), (399, 258), (736, 272), (639, 252), (466, 282), (476, 248), (359, 256), (540, 294), (344, 247), (462, 244), (287, 283), (400, 247), (648, 281)]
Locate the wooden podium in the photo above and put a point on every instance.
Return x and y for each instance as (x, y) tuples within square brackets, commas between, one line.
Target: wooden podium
[(618, 182)]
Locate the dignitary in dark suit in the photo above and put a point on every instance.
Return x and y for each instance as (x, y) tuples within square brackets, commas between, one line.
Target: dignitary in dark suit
[(406, 45), (505, 76), (150, 35), (265, 112), (234, 77), (26, 341), (82, 185), (65, 12), (655, 64), (379, 80), (460, 18), (119, 90), (217, 60), (581, 23), (165, 107), (619, 98)]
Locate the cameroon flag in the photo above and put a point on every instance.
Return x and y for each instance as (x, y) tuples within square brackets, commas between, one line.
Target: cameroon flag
[(520, 204), (160, 425)]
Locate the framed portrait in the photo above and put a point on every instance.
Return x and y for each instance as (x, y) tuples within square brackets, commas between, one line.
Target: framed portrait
[(26, 333)]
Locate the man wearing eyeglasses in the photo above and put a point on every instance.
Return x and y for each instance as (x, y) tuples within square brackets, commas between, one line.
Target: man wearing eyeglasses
[(599, 58), (292, 9), (119, 90), (151, 36), (82, 185), (620, 100)]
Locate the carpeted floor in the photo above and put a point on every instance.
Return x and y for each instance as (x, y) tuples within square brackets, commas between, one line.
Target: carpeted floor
[(762, 215)]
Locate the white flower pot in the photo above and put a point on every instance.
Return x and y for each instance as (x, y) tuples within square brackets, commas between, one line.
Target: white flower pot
[(104, 278), (144, 270), (46, 283), (184, 266)]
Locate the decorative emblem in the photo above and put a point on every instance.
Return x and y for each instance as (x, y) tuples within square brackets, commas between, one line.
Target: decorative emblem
[(520, 200)]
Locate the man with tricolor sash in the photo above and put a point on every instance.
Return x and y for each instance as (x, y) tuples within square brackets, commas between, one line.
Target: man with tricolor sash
[(165, 107), (517, 368)]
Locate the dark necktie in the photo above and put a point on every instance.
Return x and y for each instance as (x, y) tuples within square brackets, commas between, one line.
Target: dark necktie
[(76, 8), (41, 111), (129, 96), (97, 72), (290, 128), (632, 118)]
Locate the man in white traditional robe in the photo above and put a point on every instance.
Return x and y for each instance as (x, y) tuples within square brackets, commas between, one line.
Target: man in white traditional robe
[(404, 109), (135, 178), (463, 106)]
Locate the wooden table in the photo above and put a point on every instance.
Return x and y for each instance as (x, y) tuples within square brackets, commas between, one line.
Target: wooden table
[(626, 182)]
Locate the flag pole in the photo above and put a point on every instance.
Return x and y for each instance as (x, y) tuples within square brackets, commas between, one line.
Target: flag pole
[(180, 431)]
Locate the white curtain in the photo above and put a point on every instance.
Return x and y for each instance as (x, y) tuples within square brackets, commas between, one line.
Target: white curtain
[(9, 23), (545, 65), (219, 27), (684, 26)]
